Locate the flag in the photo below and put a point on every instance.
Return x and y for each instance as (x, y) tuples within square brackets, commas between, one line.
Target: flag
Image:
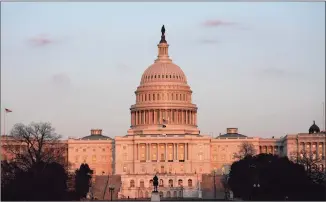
[(8, 110)]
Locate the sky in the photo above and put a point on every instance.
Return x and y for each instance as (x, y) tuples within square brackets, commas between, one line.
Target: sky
[(256, 66)]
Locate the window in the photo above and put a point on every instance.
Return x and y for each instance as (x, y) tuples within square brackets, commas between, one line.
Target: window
[(132, 183), (76, 150), (162, 169), (84, 150), (76, 159), (162, 156), (170, 169), (94, 158), (180, 182), (94, 150), (190, 183), (161, 183), (170, 183), (124, 168), (142, 184), (151, 183), (103, 150)]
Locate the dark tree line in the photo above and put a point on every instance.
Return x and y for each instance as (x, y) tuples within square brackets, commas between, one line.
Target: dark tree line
[(38, 170), (270, 177)]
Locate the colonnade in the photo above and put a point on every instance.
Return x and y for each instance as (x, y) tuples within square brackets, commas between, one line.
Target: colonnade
[(171, 116), (162, 152), (312, 148), (271, 149)]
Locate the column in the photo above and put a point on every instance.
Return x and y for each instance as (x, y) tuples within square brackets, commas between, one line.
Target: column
[(137, 151), (149, 151), (166, 152), (187, 150), (155, 116), (146, 152), (157, 153), (176, 150), (186, 116), (136, 118), (182, 117), (190, 117), (195, 118)]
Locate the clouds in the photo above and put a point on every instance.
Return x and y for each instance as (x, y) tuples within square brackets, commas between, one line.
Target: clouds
[(217, 23), (45, 40), (61, 80), (208, 41), (41, 40)]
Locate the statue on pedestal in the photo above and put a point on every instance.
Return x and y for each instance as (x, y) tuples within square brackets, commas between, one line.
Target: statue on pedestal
[(155, 183)]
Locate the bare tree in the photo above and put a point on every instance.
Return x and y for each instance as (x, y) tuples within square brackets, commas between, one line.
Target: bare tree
[(246, 149), (35, 143), (312, 163)]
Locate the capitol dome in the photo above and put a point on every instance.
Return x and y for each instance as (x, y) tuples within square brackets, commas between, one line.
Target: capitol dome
[(163, 98), (163, 72)]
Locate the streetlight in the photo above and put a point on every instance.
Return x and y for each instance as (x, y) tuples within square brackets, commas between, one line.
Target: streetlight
[(255, 186), (214, 183), (111, 189)]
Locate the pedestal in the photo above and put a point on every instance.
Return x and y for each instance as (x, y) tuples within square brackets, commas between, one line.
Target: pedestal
[(155, 196), (200, 194)]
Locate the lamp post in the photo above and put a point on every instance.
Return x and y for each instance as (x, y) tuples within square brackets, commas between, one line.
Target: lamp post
[(214, 180), (111, 189), (106, 185), (256, 186)]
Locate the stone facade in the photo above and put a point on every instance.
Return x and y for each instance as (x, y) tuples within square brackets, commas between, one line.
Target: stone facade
[(96, 150)]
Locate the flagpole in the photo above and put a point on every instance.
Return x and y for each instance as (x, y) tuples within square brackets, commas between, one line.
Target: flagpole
[(324, 116), (4, 122)]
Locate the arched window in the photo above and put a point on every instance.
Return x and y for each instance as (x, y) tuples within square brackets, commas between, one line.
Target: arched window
[(151, 183), (142, 184), (140, 194), (168, 194), (161, 183), (161, 194), (180, 182), (146, 194), (175, 194), (132, 183), (170, 183), (190, 183)]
